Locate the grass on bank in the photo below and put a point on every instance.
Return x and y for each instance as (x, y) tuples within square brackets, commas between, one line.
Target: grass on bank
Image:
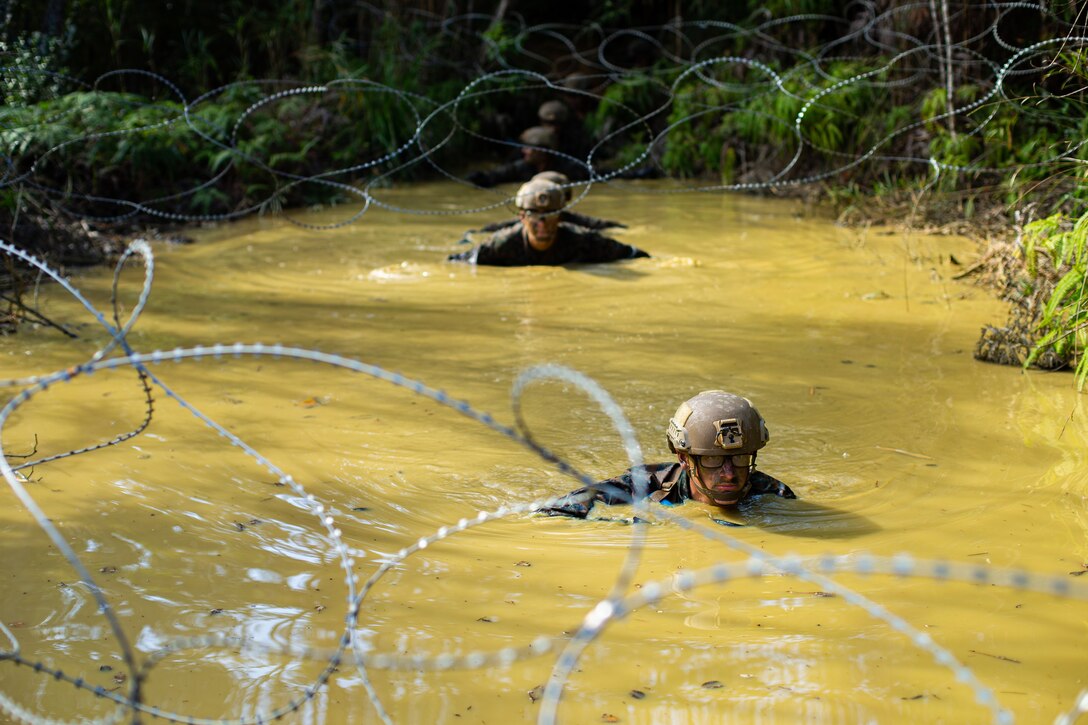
[(1056, 254)]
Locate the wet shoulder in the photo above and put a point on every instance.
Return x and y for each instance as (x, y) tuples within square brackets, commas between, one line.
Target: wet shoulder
[(763, 483), (507, 235)]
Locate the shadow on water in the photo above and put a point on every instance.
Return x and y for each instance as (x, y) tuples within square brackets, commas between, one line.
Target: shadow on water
[(790, 517), (616, 272), (796, 517)]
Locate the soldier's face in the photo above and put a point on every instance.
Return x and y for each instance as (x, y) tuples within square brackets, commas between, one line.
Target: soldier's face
[(722, 485), (540, 228)]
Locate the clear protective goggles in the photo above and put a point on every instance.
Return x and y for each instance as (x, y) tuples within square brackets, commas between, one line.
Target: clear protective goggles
[(741, 460)]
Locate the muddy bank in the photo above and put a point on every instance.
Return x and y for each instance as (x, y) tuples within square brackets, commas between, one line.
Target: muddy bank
[(999, 268), (65, 244)]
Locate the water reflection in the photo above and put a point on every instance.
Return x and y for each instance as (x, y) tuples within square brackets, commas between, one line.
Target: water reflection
[(802, 517)]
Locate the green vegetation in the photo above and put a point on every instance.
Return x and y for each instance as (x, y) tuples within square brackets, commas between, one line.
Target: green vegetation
[(749, 119), (130, 149), (1056, 252), (131, 138), (738, 120), (1056, 248)]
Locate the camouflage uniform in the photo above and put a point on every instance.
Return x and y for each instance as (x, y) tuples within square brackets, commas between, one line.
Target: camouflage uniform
[(668, 484), (572, 137), (573, 245)]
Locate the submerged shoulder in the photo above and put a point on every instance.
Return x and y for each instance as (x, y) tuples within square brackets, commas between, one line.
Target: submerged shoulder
[(510, 234), (765, 483), (658, 474)]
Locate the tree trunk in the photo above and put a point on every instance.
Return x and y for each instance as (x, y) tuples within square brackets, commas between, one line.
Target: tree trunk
[(53, 24), (317, 23)]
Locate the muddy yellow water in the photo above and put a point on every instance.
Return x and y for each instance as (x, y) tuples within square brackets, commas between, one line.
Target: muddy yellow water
[(855, 345)]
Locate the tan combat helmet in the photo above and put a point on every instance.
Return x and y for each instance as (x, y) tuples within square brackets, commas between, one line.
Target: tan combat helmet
[(539, 195), (558, 179), (540, 136), (553, 112), (715, 422)]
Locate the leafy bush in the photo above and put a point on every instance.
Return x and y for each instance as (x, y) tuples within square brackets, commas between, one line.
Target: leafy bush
[(35, 64), (741, 109), (1060, 248)]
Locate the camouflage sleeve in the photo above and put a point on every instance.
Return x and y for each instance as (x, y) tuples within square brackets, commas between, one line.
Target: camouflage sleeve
[(469, 256), (617, 490), (599, 248), (575, 504), (504, 248), (762, 483), (501, 250), (578, 503)]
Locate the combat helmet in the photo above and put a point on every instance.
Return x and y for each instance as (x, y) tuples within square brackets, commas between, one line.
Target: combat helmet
[(715, 422), (539, 195), (553, 112), (562, 180), (540, 136)]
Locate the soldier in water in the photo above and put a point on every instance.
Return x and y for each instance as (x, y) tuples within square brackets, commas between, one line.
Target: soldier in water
[(715, 436), (539, 146), (570, 217), (571, 134), (540, 238)]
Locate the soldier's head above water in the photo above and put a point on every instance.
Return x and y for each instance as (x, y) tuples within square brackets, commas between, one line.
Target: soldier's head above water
[(715, 435), (538, 203), (537, 142), (553, 112), (541, 234)]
